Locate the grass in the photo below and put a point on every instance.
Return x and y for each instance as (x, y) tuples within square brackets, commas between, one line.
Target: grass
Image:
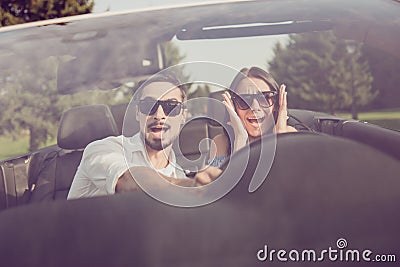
[(10, 148), (387, 115), (389, 118), (389, 124)]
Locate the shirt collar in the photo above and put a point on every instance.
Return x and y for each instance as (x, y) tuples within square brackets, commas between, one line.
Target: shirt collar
[(136, 144)]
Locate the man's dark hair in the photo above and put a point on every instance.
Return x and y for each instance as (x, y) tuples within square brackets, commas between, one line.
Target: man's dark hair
[(162, 77)]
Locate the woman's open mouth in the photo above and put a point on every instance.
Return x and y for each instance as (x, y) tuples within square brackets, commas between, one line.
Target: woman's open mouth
[(255, 121)]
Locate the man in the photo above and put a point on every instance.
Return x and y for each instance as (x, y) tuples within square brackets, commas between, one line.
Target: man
[(107, 165)]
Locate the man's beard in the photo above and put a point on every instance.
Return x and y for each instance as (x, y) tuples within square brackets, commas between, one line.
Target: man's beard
[(157, 145)]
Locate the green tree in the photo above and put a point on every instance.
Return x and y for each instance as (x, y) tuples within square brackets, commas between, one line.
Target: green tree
[(384, 68), (26, 103), (360, 80), (20, 11), (29, 100), (172, 57), (30, 103), (323, 73)]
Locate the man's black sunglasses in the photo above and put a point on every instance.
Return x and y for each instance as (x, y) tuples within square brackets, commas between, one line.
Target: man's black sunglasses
[(149, 106), (244, 101)]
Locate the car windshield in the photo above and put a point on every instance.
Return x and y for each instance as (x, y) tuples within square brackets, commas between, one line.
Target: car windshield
[(326, 67), (344, 65)]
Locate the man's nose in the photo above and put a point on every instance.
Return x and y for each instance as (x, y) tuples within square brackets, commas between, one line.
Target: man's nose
[(159, 113)]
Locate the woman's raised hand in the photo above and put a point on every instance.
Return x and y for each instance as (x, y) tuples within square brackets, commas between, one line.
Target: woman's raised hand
[(281, 122), (240, 132)]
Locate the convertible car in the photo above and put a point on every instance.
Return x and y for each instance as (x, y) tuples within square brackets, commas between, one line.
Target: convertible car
[(328, 194)]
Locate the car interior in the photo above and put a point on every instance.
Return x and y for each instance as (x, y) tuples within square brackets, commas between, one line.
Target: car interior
[(48, 173)]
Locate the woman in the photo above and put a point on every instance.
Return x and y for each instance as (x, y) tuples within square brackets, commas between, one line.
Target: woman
[(256, 106)]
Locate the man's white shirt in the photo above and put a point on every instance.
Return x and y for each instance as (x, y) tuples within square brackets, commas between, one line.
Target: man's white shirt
[(104, 161)]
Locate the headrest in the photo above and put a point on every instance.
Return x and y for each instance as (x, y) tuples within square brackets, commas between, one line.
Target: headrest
[(118, 112), (82, 125), (131, 126), (216, 109)]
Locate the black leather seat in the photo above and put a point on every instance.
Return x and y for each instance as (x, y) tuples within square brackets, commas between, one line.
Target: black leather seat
[(118, 112), (79, 126)]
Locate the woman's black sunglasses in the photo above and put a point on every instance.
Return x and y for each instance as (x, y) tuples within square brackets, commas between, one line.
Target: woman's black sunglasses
[(265, 99), (149, 106)]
